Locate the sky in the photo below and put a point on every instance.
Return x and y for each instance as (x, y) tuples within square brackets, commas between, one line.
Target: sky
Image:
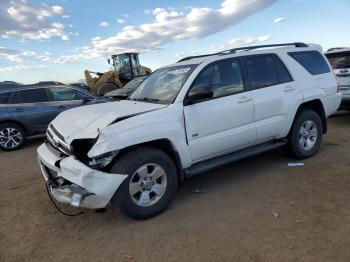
[(57, 40)]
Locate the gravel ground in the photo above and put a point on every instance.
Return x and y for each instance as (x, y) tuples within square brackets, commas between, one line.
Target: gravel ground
[(258, 209)]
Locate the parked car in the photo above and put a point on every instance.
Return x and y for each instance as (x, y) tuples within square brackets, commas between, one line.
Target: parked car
[(187, 118), (26, 110), (123, 93), (48, 83), (340, 61), (7, 84), (80, 85)]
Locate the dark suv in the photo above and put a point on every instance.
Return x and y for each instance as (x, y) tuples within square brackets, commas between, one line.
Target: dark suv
[(27, 110)]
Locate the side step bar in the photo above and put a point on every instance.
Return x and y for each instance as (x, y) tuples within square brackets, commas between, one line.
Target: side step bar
[(210, 164)]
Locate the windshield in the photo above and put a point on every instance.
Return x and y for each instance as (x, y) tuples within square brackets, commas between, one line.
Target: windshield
[(133, 84), (163, 85), (339, 60)]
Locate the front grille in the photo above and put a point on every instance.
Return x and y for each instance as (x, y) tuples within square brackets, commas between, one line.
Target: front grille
[(57, 140)]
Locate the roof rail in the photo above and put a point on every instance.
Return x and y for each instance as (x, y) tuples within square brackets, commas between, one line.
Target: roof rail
[(234, 50)]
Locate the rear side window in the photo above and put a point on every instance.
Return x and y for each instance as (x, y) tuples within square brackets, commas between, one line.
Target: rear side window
[(261, 71), (339, 60), (312, 61), (5, 97), (282, 72), (34, 95), (16, 98)]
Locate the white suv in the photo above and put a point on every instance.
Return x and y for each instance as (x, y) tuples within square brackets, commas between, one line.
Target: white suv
[(340, 61), (186, 118)]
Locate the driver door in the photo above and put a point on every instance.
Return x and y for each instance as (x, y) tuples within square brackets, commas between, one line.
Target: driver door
[(225, 122)]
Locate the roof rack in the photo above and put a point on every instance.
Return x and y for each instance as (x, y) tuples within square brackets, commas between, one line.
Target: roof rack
[(247, 48), (335, 49)]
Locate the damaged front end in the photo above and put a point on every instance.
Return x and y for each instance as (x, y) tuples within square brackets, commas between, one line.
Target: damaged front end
[(72, 176)]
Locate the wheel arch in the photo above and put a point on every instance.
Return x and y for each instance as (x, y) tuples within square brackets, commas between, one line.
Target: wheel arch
[(12, 121), (166, 146), (317, 106)]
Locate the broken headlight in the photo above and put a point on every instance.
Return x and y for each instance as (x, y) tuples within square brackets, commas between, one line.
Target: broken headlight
[(103, 160)]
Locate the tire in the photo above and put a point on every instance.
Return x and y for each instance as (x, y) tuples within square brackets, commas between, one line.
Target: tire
[(305, 136), (12, 136), (129, 196), (104, 88)]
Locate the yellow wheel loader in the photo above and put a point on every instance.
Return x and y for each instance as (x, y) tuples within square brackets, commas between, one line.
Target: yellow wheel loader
[(125, 67)]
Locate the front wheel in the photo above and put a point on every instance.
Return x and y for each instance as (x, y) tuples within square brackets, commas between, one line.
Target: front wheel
[(305, 137), (151, 183)]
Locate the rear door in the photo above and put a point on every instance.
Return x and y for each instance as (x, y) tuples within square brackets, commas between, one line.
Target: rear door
[(273, 92), (225, 122), (4, 99), (32, 108)]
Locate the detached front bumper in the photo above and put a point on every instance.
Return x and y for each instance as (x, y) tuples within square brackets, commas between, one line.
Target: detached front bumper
[(72, 182)]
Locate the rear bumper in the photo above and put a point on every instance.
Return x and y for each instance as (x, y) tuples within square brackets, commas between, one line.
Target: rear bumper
[(71, 182)]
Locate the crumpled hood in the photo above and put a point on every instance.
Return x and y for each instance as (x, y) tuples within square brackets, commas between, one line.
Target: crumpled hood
[(85, 121)]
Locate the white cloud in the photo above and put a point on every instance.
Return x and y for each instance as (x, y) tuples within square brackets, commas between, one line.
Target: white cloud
[(7, 69), (279, 20), (104, 24), (10, 55), (19, 18), (121, 21), (170, 26), (242, 41)]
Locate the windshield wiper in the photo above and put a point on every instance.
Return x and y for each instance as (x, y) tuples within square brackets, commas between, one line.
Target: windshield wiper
[(146, 99)]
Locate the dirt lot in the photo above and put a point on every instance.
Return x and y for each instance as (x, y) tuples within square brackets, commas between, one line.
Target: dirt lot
[(232, 221)]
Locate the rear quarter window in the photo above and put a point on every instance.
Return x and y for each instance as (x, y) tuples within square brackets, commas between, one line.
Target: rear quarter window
[(312, 61), (5, 97)]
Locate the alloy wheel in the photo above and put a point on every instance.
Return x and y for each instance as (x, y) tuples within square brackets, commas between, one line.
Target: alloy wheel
[(10, 137), (148, 184), (308, 135)]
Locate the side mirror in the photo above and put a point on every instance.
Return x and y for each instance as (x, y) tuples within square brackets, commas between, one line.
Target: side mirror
[(199, 93), (109, 61), (86, 100)]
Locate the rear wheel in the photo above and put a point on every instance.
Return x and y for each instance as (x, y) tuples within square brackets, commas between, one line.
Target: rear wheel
[(305, 136), (151, 183), (105, 87), (12, 136)]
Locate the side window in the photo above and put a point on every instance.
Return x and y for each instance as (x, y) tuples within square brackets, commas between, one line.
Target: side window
[(204, 77), (282, 72), (16, 98), (5, 97), (312, 61), (34, 95), (227, 78), (261, 71), (66, 94)]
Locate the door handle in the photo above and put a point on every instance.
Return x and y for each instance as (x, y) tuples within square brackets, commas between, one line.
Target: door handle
[(18, 110), (289, 89), (61, 107), (244, 99)]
